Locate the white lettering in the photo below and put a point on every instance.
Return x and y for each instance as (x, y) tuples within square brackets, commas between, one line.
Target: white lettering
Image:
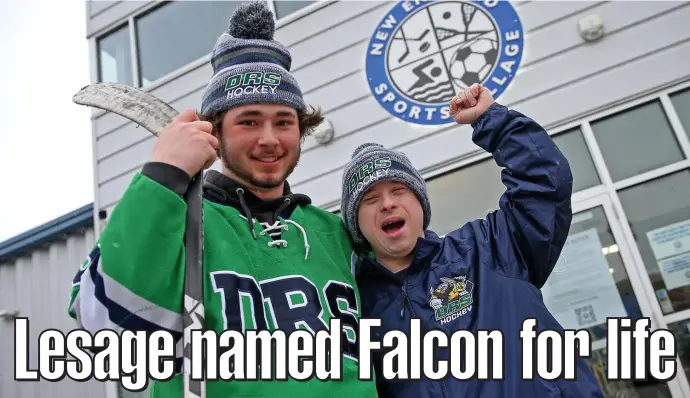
[(370, 178), (390, 22), (381, 88), (491, 3), (381, 35), (654, 353), (508, 66), (388, 97), (21, 351), (456, 315), (513, 35), (414, 112), (400, 106), (376, 49), (556, 355), (430, 113), (445, 112), (512, 50), (366, 346), (500, 82), (401, 361), (257, 89)]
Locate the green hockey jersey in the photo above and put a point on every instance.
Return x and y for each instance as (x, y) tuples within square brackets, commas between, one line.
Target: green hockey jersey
[(133, 280)]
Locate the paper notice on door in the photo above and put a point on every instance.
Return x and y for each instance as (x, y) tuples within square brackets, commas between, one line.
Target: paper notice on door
[(584, 293), (671, 248)]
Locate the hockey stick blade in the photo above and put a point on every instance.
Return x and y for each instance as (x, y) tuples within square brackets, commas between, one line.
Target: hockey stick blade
[(156, 115), (139, 106)]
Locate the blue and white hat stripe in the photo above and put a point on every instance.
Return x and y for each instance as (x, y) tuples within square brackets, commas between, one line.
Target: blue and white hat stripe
[(249, 66)]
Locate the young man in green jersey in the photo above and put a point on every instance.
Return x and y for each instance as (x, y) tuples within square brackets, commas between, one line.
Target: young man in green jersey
[(272, 261)]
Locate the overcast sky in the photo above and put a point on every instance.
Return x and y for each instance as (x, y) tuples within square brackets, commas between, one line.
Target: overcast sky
[(45, 140)]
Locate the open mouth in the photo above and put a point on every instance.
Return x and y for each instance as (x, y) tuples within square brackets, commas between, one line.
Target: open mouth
[(267, 159), (393, 225)]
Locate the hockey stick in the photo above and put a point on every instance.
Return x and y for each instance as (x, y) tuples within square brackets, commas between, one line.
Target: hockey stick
[(155, 115)]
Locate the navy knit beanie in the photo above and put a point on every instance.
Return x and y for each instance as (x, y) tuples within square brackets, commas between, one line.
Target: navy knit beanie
[(370, 164), (249, 67)]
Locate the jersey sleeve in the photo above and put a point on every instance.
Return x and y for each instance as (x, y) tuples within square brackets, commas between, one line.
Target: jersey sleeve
[(133, 277)]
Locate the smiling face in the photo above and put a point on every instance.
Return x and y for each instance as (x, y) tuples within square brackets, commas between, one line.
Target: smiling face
[(391, 219), (260, 146)]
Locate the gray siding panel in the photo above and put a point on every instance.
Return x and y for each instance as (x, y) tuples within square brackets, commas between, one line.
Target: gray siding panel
[(563, 36), (8, 301), (539, 14), (97, 7), (110, 16), (125, 160), (328, 60), (31, 285), (327, 17), (118, 140), (111, 191)]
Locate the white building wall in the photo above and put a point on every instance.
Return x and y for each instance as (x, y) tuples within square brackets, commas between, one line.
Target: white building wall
[(561, 78), (37, 285)]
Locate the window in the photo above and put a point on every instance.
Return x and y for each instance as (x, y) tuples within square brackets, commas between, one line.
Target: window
[(572, 145), (168, 37), (179, 33), (637, 141), (464, 195), (285, 7), (681, 330), (659, 215), (681, 101), (590, 284), (115, 57)]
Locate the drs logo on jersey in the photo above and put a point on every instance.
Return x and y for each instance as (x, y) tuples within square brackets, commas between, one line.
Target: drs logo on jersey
[(424, 52)]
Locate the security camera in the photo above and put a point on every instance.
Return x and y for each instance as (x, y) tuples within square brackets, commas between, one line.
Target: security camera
[(591, 28)]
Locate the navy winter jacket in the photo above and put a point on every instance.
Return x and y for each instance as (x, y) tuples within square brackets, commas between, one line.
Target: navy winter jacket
[(487, 274)]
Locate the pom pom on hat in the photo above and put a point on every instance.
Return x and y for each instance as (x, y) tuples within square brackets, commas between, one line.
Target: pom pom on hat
[(248, 47), (252, 21), (362, 147)]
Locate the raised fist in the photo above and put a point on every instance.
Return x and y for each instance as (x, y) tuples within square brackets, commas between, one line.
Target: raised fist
[(187, 143), (469, 104)]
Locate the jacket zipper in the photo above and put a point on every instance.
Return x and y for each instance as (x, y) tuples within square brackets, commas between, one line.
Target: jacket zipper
[(406, 300)]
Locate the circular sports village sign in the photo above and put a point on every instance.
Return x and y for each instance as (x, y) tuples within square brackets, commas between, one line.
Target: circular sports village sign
[(424, 52)]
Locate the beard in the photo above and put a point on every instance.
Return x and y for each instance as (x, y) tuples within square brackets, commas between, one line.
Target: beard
[(245, 174)]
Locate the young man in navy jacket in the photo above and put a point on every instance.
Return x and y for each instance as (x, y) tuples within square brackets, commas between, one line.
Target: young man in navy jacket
[(485, 275)]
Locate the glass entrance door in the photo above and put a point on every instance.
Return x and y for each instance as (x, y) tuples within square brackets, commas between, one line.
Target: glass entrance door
[(595, 279)]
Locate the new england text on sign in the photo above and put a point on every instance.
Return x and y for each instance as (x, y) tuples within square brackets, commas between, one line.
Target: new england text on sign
[(423, 52)]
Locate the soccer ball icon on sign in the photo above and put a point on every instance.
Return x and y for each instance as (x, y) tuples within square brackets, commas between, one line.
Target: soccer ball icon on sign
[(471, 64)]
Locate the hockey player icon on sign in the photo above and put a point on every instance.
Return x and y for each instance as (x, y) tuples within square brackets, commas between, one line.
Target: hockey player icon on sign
[(433, 50)]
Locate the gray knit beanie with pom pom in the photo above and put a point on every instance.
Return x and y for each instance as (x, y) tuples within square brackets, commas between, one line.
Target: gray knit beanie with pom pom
[(370, 164), (249, 67)]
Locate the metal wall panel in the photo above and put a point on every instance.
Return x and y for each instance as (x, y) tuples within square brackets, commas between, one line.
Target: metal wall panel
[(329, 47), (37, 284), (106, 16), (100, 6)]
